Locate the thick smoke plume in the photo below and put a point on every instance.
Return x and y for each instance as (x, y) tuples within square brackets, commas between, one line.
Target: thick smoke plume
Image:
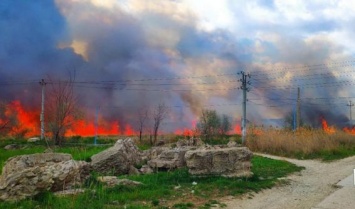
[(138, 54)]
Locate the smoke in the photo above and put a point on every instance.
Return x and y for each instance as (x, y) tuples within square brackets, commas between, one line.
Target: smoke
[(129, 55)]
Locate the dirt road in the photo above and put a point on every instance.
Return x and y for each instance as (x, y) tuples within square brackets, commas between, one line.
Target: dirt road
[(306, 189)]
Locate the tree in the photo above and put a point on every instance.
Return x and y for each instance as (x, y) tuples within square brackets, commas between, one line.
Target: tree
[(142, 118), (159, 115), (225, 125), (62, 109), (7, 119), (209, 123)]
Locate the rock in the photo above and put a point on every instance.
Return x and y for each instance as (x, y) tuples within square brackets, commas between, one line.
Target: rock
[(27, 175), (182, 143), (232, 144), (12, 146), (154, 152), (228, 162), (117, 160), (169, 159), (189, 142), (48, 150), (127, 182), (133, 171), (145, 169), (69, 192), (160, 143), (33, 139), (112, 181)]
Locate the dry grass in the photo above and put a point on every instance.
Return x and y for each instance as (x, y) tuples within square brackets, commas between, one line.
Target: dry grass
[(303, 143)]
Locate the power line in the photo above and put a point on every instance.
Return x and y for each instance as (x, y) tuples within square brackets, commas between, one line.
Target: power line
[(158, 90), (305, 68)]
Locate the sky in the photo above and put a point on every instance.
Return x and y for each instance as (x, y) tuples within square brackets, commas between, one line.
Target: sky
[(133, 54)]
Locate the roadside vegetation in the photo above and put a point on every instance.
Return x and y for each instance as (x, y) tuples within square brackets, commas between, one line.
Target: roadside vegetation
[(175, 189), (303, 143)]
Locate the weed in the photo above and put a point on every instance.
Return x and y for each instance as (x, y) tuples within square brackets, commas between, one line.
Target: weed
[(155, 202), (183, 205), (302, 144)]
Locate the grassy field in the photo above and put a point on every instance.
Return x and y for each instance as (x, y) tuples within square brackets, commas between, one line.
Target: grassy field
[(159, 190), (302, 144), (166, 189)]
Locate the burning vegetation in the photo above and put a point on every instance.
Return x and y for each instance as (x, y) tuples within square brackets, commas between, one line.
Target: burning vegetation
[(17, 121)]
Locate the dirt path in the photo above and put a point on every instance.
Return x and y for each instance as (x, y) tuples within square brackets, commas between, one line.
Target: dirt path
[(306, 189)]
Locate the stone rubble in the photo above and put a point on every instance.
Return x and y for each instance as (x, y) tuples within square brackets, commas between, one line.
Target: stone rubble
[(27, 175), (228, 162), (117, 160)]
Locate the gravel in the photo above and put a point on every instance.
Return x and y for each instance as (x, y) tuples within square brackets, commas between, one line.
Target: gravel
[(305, 189)]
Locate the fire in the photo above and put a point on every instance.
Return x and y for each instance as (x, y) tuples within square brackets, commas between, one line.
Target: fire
[(26, 123), (326, 128), (237, 129), (185, 132), (84, 128), (128, 131), (103, 128), (23, 122), (349, 130)]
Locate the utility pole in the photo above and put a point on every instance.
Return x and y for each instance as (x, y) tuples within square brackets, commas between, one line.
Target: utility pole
[(298, 114), (245, 89), (350, 107), (96, 124), (43, 84)]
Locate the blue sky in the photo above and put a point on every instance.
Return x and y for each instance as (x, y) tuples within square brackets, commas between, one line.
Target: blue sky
[(181, 45)]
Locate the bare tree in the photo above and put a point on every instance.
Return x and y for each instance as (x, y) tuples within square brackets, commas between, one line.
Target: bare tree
[(62, 109), (7, 119), (159, 115), (142, 118)]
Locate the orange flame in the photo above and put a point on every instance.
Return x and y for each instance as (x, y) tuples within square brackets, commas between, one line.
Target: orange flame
[(27, 123), (84, 128), (349, 130), (326, 128), (185, 132), (237, 129)]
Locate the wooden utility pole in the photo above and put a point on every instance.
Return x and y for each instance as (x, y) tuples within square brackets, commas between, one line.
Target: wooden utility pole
[(96, 124), (350, 107), (298, 114), (43, 84)]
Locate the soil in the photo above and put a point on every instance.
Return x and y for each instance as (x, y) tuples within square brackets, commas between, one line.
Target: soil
[(305, 189)]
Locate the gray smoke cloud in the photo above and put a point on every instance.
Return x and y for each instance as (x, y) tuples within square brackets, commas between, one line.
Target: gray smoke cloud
[(158, 52)]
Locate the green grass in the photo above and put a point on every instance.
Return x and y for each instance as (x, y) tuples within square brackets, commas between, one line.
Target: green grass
[(160, 190), (78, 152), (81, 152), (328, 155), (6, 154)]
